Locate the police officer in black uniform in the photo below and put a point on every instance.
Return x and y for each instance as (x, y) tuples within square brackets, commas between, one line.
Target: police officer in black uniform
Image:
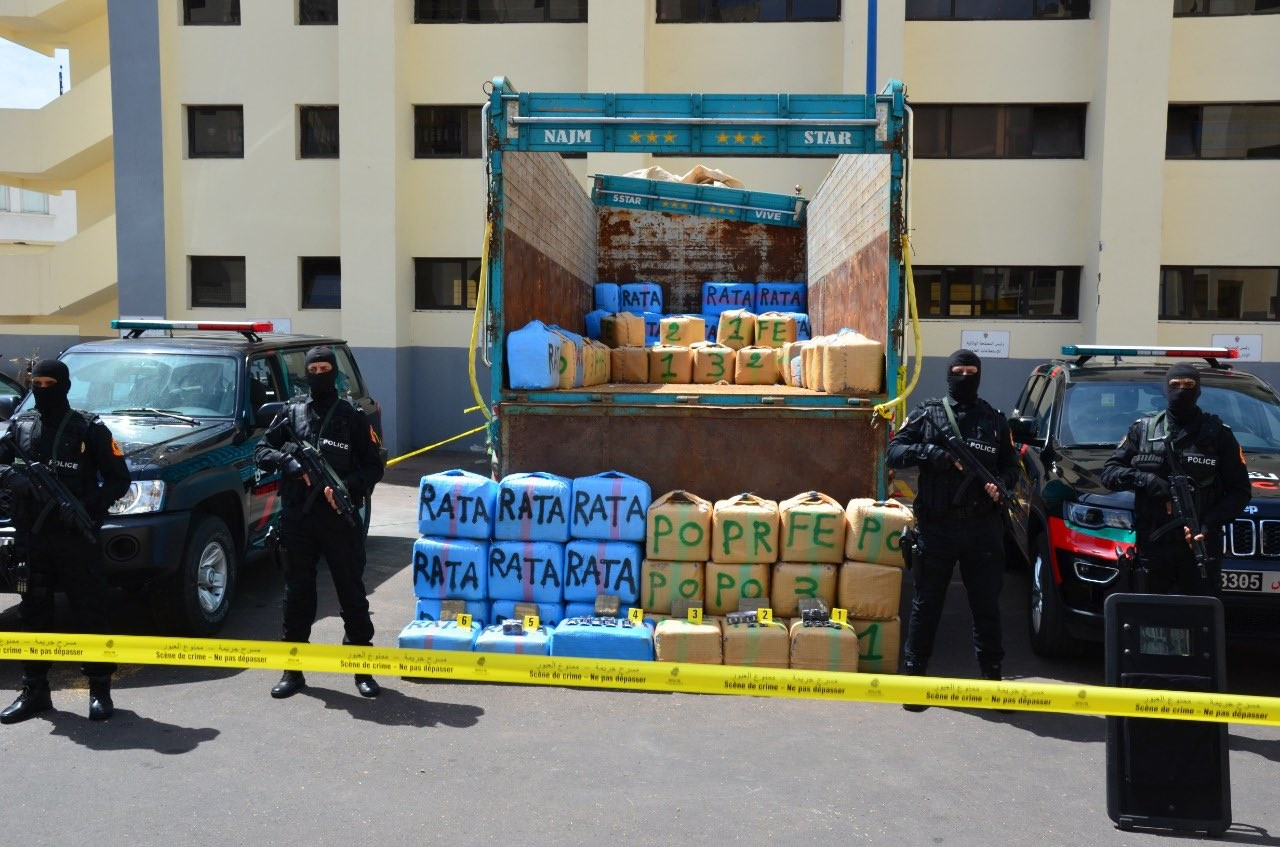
[(309, 525), (1211, 457), (78, 448), (957, 516)]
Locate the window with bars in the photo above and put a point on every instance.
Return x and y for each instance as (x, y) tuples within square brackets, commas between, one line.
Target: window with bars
[(446, 132), (970, 291), (1219, 293), (445, 283), (217, 281), (499, 11), (1223, 131), (746, 11), (981, 131), (318, 132)]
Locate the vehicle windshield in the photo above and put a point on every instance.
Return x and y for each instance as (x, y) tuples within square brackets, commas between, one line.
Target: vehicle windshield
[(172, 386), (1099, 413)]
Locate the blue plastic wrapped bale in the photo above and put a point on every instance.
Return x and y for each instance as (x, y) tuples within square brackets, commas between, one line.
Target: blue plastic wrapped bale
[(602, 638), (457, 504), (533, 356), (530, 642), (652, 328), (533, 507), (429, 609), (719, 297), (607, 298), (528, 571), (640, 297), (592, 568), (571, 379), (713, 324), (548, 613), (426, 634), (593, 319), (450, 569), (782, 297), (803, 331), (610, 506)]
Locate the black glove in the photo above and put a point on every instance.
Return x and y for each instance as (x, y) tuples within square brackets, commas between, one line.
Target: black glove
[(938, 458), (291, 467), (67, 514), (17, 483), (1156, 487)]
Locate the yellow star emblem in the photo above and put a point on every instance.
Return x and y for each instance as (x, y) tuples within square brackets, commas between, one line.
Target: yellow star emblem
[(669, 138), (722, 138), (739, 138), (757, 138), (653, 137), (635, 138)]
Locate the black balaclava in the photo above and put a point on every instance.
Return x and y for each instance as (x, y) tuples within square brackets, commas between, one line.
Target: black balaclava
[(1182, 401), (963, 388), (324, 387), (51, 400)]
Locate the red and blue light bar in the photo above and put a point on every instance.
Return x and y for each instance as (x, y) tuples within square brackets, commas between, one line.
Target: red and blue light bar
[(217, 326), (1167, 352)]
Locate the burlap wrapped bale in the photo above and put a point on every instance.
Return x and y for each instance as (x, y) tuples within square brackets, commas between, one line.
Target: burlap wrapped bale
[(869, 591), (671, 365), (744, 529), (713, 362), (758, 645), (813, 528), (663, 582), (678, 528), (629, 364), (833, 647), (756, 366), (737, 329), (681, 641), (878, 643), (625, 329), (792, 581), (874, 532), (727, 584), (682, 330)]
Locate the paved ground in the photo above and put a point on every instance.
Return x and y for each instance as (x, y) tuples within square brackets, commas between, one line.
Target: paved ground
[(207, 757)]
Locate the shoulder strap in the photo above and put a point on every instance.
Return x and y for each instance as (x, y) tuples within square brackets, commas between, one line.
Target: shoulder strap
[(951, 419), (1154, 431)]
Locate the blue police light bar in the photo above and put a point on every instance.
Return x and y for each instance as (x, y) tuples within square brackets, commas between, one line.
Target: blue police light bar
[(1167, 352)]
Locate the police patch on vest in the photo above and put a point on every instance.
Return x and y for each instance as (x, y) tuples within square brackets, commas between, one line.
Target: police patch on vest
[(329, 442)]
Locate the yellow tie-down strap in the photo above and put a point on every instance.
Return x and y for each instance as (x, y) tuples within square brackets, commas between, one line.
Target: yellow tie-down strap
[(644, 676)]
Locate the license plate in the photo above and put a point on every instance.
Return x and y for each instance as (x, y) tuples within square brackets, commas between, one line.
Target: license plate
[(1250, 581)]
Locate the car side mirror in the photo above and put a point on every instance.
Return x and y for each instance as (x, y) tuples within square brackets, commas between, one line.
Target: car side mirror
[(1024, 430), (8, 403), (267, 413)]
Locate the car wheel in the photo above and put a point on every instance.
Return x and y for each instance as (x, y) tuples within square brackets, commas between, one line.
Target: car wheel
[(195, 600), (1046, 620)]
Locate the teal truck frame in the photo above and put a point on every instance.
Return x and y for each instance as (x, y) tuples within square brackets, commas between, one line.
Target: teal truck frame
[(550, 240)]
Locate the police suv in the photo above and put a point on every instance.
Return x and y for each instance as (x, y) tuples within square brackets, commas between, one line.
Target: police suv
[(1069, 418), (184, 411)]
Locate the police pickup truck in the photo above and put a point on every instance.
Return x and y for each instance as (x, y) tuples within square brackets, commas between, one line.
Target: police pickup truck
[(184, 410), (1068, 419)]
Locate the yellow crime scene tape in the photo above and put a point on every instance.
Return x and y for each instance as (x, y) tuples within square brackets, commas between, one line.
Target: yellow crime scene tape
[(644, 676)]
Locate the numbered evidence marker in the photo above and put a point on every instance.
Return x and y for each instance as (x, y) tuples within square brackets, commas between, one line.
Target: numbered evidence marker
[(464, 620), (531, 623), (840, 616), (635, 615), (695, 614), (764, 615)]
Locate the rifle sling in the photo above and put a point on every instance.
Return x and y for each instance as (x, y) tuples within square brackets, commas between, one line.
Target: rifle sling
[(53, 472)]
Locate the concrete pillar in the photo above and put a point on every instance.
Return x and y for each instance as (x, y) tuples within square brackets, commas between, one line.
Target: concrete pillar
[(1125, 147), (617, 38)]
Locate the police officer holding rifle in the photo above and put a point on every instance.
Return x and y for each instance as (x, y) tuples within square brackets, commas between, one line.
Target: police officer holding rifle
[(1189, 477), (327, 454), (63, 471), (967, 463)]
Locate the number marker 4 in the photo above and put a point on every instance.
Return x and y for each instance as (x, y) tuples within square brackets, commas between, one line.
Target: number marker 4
[(635, 615)]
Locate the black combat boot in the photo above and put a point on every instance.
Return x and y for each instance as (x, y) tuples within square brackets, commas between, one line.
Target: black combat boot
[(991, 671), (100, 706), (33, 700), (290, 684), (367, 685), (914, 667)]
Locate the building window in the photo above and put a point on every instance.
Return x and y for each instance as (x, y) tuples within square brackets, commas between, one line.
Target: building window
[(4, 198), (318, 132), (446, 132), (445, 283), (217, 281), (211, 12), (997, 292), (746, 11), (999, 132), (1199, 8), (1223, 131), (499, 11), (1219, 294), (34, 202), (215, 132), (995, 10), (321, 282), (317, 12)]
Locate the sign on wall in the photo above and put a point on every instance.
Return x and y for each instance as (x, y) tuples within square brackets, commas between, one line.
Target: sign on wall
[(1250, 346), (988, 344)]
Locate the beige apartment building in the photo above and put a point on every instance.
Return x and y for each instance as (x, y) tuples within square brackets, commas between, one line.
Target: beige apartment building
[(1084, 170)]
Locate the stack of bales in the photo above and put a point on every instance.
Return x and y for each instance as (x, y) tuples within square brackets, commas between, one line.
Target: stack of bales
[(451, 560), (871, 578), (527, 554), (604, 554)]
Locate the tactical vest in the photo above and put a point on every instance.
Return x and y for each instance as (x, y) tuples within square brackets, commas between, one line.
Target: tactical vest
[(938, 488), (329, 433), (1199, 459), (67, 455)]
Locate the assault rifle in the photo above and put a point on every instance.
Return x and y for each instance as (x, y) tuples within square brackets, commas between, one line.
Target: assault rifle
[(51, 493), (1184, 505), (973, 469), (320, 473)]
